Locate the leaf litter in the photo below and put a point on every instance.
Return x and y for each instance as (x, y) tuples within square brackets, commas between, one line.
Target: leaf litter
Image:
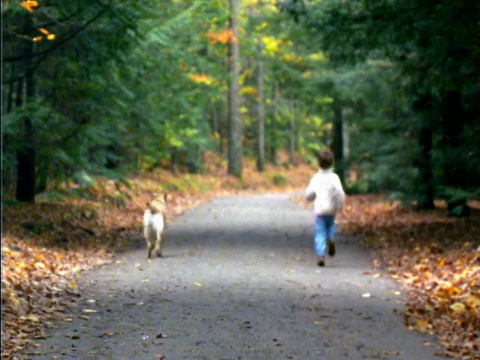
[(435, 257), (46, 247)]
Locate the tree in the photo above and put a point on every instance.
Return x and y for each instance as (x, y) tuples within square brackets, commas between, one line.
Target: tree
[(35, 50), (338, 140), (260, 108), (235, 121), (434, 51)]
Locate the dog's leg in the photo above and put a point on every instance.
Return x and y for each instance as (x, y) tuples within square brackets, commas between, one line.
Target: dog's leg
[(158, 244), (150, 246), (149, 243)]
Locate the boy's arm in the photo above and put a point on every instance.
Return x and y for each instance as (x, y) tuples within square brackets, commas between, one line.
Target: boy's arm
[(340, 193), (310, 192), (310, 196)]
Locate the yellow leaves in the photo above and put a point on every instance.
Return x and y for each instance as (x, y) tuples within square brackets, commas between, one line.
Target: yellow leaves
[(473, 305), (458, 308), (447, 290), (40, 265), (307, 74), (30, 317), (271, 45), (248, 90), (468, 306), (318, 58), (30, 5), (224, 36), (6, 251), (442, 281), (292, 58), (263, 6), (45, 32), (37, 277), (441, 262), (274, 46), (423, 325), (261, 27), (201, 79)]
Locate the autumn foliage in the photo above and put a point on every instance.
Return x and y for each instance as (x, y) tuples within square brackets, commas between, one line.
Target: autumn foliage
[(435, 257), (47, 245)]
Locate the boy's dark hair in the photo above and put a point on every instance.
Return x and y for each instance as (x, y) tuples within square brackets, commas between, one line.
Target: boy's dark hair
[(325, 159)]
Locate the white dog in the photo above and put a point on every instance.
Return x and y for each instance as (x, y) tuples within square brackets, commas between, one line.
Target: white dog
[(154, 223)]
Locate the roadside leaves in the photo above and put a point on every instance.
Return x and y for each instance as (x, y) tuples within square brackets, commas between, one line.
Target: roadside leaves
[(46, 246), (435, 257)]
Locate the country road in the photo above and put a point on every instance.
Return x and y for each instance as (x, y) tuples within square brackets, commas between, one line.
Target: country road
[(238, 281)]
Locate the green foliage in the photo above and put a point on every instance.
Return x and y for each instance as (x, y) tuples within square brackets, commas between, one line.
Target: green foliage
[(456, 194), (279, 179), (397, 66), (130, 86)]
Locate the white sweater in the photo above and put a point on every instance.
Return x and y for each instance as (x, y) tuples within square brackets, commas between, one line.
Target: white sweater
[(327, 191)]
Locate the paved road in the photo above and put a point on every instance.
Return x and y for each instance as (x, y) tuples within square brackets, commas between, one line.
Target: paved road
[(238, 281)]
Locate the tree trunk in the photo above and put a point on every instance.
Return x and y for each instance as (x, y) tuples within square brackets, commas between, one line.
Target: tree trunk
[(425, 179), (216, 127), (235, 122), (273, 130), (292, 144), (454, 160), (26, 155), (11, 84), (338, 143), (25, 189), (26, 171), (425, 168), (260, 109)]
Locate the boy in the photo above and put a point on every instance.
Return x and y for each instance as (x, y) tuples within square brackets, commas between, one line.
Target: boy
[(326, 189)]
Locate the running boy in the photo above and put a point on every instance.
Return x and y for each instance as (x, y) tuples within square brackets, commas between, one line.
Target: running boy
[(326, 190)]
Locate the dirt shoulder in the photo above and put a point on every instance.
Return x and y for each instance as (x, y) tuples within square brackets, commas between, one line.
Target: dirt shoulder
[(238, 281)]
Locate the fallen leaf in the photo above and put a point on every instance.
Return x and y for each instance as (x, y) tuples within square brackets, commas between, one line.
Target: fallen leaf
[(458, 308), (423, 325)]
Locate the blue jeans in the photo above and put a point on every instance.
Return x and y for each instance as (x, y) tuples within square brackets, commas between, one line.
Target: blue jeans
[(324, 231)]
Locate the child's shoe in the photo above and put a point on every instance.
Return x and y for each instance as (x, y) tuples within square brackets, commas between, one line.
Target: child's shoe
[(321, 261), (331, 247)]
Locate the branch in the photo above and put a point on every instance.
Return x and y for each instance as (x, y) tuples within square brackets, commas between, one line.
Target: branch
[(44, 53)]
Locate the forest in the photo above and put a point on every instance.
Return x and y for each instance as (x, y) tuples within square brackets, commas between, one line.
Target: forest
[(107, 89), (97, 90)]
